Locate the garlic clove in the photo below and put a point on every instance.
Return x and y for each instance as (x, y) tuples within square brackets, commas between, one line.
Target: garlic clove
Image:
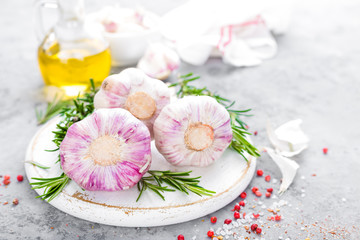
[(287, 167), (107, 151), (134, 91), (288, 139), (159, 61), (193, 131)]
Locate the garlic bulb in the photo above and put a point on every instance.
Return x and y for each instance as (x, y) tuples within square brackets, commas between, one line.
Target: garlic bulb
[(159, 61), (108, 151), (193, 131), (133, 90)]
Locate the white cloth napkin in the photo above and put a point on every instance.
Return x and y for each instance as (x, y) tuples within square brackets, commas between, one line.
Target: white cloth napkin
[(237, 30)]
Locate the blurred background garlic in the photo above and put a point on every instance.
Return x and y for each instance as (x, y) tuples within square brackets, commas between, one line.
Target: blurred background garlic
[(193, 131), (133, 90), (159, 61), (107, 151)]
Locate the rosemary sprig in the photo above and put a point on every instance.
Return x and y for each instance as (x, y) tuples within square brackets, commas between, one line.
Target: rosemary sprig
[(53, 108), (53, 186), (239, 142), (176, 180), (36, 164)]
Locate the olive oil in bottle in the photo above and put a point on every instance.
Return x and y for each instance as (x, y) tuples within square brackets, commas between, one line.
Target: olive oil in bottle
[(73, 52)]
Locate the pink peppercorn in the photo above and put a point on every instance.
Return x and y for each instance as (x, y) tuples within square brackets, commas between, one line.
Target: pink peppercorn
[(236, 215), (258, 193), (259, 172), (227, 221), (210, 233), (277, 218), (270, 190), (236, 208), (181, 237), (242, 203), (254, 189), (267, 194), (254, 227), (213, 219), (325, 150), (258, 230), (20, 178), (267, 178), (243, 195)]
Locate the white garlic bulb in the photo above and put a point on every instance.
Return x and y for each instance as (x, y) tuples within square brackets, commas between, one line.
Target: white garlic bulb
[(133, 90), (193, 131), (159, 61)]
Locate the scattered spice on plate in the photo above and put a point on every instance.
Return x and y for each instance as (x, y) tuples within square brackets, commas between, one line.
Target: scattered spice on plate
[(213, 219), (256, 133)]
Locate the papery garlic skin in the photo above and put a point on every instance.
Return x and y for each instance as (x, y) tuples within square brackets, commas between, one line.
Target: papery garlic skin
[(134, 91), (159, 61), (287, 167), (289, 139), (193, 131), (107, 151)]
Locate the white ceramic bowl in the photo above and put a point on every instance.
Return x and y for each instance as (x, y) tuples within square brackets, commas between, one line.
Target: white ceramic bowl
[(127, 47)]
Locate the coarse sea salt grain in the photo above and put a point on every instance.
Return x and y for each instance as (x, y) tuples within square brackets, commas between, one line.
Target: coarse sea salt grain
[(302, 228), (303, 190), (343, 199), (194, 237), (302, 177), (303, 195), (280, 237), (274, 180)]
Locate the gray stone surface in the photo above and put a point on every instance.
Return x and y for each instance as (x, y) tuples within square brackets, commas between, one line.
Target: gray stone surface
[(315, 76)]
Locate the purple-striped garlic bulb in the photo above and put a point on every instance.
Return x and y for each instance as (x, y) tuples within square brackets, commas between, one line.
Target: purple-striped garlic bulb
[(107, 151), (133, 90), (193, 131)]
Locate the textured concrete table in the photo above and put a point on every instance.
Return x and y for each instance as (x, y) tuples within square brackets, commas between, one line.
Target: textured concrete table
[(315, 76)]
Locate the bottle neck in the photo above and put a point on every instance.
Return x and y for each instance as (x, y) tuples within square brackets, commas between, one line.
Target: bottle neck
[(71, 12)]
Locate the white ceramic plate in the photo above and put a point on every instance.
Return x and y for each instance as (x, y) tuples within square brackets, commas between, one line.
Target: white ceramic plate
[(228, 176)]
